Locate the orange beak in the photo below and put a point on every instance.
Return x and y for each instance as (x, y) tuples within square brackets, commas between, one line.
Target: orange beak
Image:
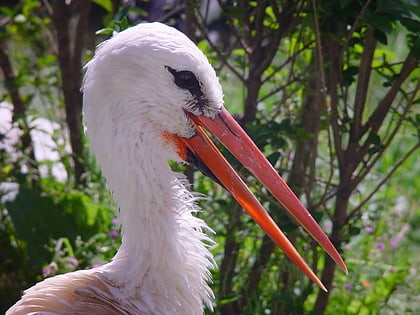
[(233, 137)]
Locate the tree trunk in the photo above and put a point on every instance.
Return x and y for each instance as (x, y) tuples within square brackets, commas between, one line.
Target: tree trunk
[(71, 75), (339, 220)]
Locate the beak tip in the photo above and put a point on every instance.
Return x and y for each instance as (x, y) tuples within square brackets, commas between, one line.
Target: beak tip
[(340, 262), (318, 282)]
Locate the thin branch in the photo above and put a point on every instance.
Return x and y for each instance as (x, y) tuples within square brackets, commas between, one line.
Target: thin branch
[(19, 107), (334, 103), (316, 108), (270, 51), (290, 59), (176, 10), (221, 57), (362, 87), (325, 196), (376, 119), (358, 208), (353, 28), (366, 170), (80, 32), (48, 7), (278, 89), (318, 54), (259, 29)]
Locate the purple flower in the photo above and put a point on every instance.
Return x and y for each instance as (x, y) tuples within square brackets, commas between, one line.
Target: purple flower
[(113, 234), (47, 271), (380, 245), (116, 221), (73, 261), (348, 286), (399, 237), (368, 229)]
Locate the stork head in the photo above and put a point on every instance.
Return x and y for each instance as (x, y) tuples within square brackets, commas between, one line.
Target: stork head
[(153, 77), (154, 71)]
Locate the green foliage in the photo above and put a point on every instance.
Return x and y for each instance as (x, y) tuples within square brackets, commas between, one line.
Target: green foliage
[(38, 217)]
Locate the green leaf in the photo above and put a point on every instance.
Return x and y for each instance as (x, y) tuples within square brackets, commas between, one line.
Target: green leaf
[(105, 4), (122, 13), (375, 139), (105, 31), (349, 75), (7, 11), (414, 44), (381, 36), (411, 24), (273, 158)]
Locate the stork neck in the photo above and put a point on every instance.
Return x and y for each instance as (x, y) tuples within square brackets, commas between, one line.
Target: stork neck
[(162, 253), (148, 217)]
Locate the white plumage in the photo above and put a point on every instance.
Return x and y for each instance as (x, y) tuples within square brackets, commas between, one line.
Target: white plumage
[(145, 92)]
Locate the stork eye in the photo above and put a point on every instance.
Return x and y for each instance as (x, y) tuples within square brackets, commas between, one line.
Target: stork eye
[(186, 80)]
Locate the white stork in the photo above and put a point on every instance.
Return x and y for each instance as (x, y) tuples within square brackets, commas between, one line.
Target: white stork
[(149, 93)]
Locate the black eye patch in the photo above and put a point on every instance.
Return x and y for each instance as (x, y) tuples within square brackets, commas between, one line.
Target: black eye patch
[(186, 80)]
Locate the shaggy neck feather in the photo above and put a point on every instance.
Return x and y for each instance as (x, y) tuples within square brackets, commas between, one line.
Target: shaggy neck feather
[(162, 256)]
